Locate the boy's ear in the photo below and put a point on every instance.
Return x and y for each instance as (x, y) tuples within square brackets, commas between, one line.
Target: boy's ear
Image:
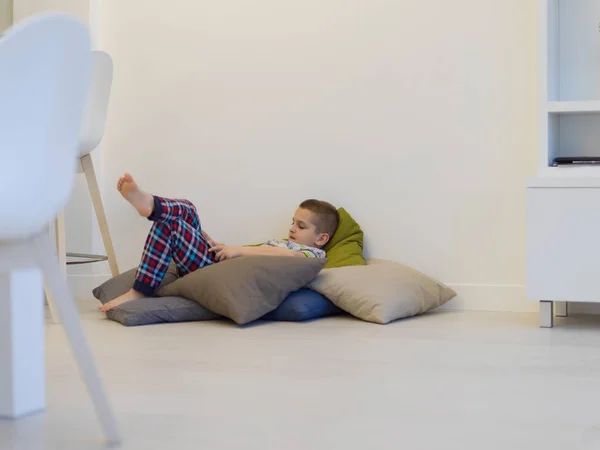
[(323, 239)]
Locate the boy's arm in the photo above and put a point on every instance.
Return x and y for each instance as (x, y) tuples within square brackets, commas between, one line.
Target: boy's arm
[(270, 251), (223, 252)]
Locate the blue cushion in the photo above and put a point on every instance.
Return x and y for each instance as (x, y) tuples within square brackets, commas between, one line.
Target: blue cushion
[(303, 304)]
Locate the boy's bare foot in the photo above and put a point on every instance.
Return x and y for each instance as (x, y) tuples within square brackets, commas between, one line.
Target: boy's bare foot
[(132, 294), (140, 199)]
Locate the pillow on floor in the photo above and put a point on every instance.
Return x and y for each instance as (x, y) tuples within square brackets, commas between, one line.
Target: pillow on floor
[(381, 291), (150, 310), (300, 305), (346, 246), (303, 304), (120, 284), (246, 288)]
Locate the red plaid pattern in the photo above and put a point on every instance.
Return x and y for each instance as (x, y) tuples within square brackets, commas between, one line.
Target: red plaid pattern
[(175, 235)]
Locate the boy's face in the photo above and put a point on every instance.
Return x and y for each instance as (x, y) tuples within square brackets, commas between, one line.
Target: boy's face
[(303, 230)]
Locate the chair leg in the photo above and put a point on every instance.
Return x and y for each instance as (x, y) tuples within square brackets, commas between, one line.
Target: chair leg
[(61, 250), (90, 176), (57, 285)]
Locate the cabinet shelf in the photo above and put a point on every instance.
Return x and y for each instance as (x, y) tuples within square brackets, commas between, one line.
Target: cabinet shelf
[(571, 44), (569, 103), (570, 175), (574, 107)]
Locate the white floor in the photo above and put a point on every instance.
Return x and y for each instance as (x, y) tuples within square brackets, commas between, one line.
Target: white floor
[(447, 380)]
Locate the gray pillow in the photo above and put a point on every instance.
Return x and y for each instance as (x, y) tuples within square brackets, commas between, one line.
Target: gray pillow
[(382, 291), (120, 284), (246, 288), (151, 310)]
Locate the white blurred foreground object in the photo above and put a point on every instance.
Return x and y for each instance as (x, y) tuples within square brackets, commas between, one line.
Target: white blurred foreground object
[(591, 439), (45, 65)]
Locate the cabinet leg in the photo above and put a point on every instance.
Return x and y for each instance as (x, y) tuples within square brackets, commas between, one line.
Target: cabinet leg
[(561, 309), (546, 314)]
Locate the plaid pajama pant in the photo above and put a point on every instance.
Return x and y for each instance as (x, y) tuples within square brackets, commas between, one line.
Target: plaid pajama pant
[(176, 234)]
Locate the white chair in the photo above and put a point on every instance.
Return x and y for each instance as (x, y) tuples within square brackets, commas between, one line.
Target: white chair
[(45, 71), (92, 132)]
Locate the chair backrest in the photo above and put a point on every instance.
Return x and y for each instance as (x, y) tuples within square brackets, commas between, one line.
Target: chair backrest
[(44, 79), (94, 117)]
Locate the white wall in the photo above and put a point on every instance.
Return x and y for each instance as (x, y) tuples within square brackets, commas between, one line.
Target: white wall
[(24, 8), (417, 116), (5, 14)]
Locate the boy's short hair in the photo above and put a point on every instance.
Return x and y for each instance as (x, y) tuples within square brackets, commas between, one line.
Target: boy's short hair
[(327, 216)]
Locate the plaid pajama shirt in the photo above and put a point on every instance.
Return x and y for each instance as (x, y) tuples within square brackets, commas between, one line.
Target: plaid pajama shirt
[(176, 234)]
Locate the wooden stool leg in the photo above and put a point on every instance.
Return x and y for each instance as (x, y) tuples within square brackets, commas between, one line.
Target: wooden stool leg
[(90, 175)]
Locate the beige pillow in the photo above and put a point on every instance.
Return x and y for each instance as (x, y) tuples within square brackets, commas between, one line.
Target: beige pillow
[(382, 290), (246, 288)]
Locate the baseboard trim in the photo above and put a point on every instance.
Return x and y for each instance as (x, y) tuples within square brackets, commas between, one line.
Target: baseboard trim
[(470, 297), (82, 285), (490, 297), (505, 298)]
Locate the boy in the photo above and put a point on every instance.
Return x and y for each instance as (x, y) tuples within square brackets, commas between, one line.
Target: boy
[(176, 234)]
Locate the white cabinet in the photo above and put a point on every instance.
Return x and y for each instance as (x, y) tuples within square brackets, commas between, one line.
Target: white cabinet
[(563, 249), (563, 203)]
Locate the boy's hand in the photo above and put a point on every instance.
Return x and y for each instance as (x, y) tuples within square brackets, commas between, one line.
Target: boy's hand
[(210, 240), (224, 252)]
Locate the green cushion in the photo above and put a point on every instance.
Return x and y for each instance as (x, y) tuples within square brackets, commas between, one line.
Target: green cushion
[(346, 246)]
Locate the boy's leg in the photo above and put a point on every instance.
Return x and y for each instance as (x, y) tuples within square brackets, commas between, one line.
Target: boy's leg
[(176, 234), (177, 240), (166, 210), (155, 208)]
